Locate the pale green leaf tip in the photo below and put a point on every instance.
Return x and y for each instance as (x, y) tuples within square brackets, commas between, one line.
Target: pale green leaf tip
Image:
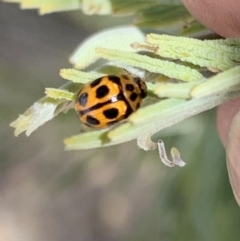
[(58, 94), (34, 117)]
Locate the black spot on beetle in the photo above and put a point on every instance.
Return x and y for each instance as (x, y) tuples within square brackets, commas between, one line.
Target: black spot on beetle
[(96, 82), (128, 112), (138, 105), (143, 94), (129, 87), (125, 77), (115, 79), (137, 80), (129, 109), (83, 99), (102, 91), (112, 122), (133, 96), (143, 88), (92, 121), (111, 113)]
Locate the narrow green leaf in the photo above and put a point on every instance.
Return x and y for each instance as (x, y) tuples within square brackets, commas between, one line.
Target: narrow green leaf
[(162, 15), (152, 65), (119, 38)]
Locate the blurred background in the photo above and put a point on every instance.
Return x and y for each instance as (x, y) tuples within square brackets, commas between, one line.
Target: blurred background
[(108, 194)]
